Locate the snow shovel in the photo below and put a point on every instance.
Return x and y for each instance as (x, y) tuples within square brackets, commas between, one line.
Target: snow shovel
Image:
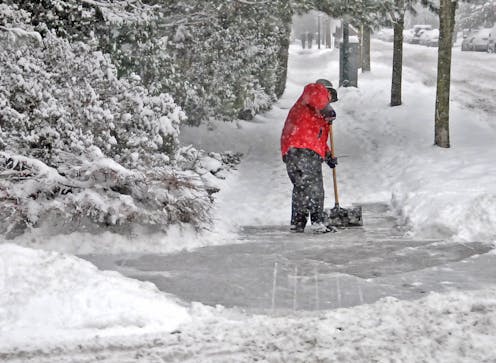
[(338, 216)]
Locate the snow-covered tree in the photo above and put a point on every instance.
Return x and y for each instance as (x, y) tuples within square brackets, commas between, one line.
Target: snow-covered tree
[(476, 14)]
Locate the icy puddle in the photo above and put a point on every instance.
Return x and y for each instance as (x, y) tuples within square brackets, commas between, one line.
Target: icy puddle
[(275, 270)]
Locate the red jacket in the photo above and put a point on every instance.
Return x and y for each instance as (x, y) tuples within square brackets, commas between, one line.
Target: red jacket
[(304, 127)]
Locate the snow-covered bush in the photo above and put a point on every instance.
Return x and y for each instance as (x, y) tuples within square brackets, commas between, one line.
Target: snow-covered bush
[(475, 14), (80, 146), (218, 59), (225, 59), (103, 193), (67, 97)]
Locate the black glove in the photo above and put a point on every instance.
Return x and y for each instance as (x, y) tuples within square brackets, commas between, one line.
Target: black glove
[(332, 162)]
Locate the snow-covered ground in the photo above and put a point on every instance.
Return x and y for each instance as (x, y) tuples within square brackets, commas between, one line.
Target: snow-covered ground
[(386, 155), (48, 296), (452, 328)]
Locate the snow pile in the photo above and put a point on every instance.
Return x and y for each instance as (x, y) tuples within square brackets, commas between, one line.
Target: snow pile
[(451, 327), (51, 296), (455, 327)]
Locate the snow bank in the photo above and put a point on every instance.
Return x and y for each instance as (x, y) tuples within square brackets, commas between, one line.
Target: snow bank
[(455, 327), (139, 240), (49, 296)]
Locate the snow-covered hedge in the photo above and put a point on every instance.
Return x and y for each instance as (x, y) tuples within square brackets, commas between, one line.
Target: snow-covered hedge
[(80, 146), (63, 96), (218, 59)]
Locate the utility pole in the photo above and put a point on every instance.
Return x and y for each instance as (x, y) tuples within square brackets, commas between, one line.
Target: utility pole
[(349, 58), (345, 48), (348, 76), (365, 48)]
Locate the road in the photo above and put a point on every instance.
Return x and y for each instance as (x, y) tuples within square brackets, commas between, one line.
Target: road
[(473, 73)]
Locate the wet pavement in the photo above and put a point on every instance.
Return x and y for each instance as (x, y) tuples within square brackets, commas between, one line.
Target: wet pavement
[(271, 269)]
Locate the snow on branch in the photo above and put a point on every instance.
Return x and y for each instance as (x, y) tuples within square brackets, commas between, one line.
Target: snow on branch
[(18, 35), (100, 192)]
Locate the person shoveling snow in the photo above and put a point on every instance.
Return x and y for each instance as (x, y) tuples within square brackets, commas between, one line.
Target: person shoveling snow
[(304, 147)]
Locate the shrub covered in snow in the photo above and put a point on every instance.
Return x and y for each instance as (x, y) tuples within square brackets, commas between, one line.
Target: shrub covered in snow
[(229, 58), (53, 93), (221, 59), (80, 145)]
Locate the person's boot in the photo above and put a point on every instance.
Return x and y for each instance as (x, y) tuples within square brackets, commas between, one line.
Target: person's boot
[(298, 223), (297, 228)]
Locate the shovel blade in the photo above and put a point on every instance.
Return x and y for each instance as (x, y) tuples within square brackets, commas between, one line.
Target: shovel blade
[(344, 217)]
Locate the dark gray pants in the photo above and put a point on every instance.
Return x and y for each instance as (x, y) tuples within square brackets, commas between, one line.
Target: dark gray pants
[(304, 168)]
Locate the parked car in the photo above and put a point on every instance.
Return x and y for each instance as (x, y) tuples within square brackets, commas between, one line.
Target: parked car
[(477, 41), (386, 34), (417, 32), (408, 35), (429, 38)]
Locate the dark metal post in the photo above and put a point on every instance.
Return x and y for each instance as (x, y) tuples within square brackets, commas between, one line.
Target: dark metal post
[(345, 58)]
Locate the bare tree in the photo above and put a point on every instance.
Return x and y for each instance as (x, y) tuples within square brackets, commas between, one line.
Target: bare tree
[(447, 10), (399, 21)]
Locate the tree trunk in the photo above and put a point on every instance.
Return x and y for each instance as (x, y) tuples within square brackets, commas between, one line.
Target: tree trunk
[(366, 49), (446, 26), (398, 56), (283, 64)]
